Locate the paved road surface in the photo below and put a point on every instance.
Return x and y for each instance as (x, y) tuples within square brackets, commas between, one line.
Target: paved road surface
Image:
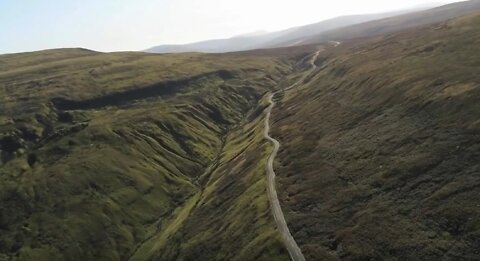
[(292, 247)]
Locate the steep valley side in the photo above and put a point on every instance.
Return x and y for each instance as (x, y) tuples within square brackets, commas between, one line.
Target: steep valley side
[(380, 151), (129, 156)]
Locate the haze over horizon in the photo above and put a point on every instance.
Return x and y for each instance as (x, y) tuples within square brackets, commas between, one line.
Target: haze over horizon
[(128, 26)]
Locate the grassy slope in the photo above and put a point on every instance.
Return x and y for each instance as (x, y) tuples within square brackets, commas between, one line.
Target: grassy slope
[(103, 179), (229, 219), (380, 150)]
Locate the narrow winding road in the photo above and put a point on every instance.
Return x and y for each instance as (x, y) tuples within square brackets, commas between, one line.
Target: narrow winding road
[(292, 246)]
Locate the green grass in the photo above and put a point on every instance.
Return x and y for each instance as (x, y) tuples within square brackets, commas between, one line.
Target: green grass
[(95, 182), (138, 156), (379, 156), (231, 210)]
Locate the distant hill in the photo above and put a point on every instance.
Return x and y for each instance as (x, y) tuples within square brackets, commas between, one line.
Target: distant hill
[(391, 24), (274, 39), (340, 28)]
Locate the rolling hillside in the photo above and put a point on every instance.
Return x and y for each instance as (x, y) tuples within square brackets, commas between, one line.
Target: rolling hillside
[(120, 156), (380, 149), (140, 156)]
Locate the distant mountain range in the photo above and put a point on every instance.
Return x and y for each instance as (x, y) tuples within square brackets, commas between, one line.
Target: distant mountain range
[(265, 40), (340, 28)]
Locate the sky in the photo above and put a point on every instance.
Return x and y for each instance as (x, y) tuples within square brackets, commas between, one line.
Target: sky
[(122, 25)]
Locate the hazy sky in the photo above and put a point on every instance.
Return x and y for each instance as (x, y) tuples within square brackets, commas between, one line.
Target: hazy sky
[(114, 25)]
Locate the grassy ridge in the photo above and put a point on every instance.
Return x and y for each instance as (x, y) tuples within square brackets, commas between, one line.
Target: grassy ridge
[(112, 180), (379, 155)]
